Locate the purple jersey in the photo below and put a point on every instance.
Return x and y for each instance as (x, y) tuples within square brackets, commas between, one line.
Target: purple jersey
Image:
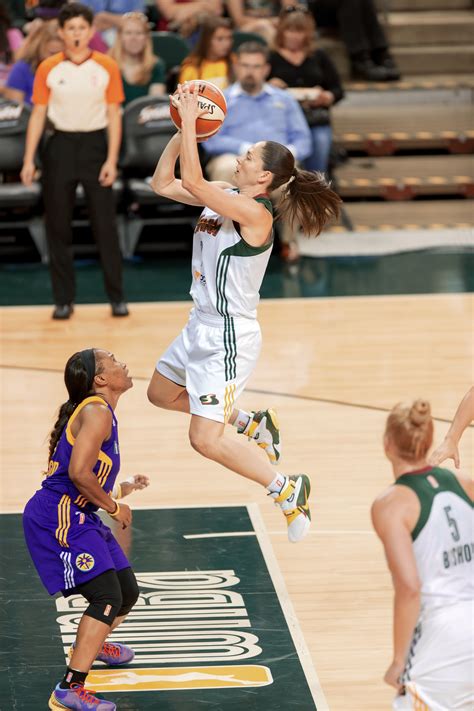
[(67, 540), (106, 468)]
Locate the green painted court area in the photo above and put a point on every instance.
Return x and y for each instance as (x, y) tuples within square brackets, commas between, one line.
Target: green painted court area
[(210, 629)]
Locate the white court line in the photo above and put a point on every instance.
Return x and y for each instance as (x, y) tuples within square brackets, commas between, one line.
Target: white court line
[(327, 532), (287, 608), (228, 534)]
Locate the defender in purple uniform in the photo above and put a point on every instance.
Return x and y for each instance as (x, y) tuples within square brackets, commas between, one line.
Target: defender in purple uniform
[(73, 551)]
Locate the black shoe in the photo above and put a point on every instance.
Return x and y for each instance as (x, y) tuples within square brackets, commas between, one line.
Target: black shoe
[(393, 72), (366, 70), (63, 311), (119, 308)]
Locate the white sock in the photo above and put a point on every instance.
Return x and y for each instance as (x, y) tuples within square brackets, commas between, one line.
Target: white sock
[(276, 486), (242, 421)]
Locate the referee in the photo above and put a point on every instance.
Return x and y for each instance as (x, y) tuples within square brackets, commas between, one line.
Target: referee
[(80, 92)]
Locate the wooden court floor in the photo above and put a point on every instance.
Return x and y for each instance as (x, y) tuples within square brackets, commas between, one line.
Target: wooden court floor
[(332, 368)]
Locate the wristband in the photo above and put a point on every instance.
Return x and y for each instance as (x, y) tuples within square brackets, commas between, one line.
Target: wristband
[(116, 511), (117, 491)]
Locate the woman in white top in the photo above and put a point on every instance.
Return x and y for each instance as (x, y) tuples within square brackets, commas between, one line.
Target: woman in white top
[(207, 366), (425, 522)]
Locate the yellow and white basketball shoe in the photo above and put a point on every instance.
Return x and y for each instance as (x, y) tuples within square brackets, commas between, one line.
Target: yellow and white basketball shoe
[(293, 501), (263, 427)]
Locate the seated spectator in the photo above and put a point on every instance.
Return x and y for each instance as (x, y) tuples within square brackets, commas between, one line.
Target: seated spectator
[(257, 111), (11, 40), (186, 16), (361, 32), (108, 15), (40, 44), (143, 73), (259, 16), (296, 63), (211, 57)]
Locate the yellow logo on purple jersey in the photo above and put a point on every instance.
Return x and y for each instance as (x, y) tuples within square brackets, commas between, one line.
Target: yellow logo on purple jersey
[(85, 562)]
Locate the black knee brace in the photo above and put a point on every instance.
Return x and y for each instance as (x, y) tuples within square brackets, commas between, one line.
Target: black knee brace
[(130, 591), (104, 595)]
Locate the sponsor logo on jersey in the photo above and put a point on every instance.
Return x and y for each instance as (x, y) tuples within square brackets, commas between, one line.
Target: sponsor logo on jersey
[(209, 225), (85, 562), (209, 399)]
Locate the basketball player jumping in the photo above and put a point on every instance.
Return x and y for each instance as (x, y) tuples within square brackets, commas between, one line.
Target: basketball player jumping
[(207, 366), (425, 523)]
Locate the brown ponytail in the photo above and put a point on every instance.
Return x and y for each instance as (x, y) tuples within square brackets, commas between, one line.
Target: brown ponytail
[(307, 198), (410, 428), (79, 380)]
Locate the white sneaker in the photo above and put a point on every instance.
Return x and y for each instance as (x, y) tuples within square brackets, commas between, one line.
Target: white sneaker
[(293, 501), (263, 427)]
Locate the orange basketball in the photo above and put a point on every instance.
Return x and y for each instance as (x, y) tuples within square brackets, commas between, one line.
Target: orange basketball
[(210, 98)]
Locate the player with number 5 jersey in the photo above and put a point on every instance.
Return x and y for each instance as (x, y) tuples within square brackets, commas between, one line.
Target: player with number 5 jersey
[(207, 366), (426, 524)]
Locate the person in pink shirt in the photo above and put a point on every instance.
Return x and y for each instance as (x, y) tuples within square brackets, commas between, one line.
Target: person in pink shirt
[(11, 40)]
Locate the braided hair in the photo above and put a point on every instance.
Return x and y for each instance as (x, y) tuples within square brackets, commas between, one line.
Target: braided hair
[(79, 374)]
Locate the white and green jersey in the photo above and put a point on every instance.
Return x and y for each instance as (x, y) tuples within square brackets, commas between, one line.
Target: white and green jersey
[(442, 538), (227, 272)]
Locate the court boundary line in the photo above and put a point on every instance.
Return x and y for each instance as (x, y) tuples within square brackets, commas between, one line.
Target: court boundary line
[(272, 393), (288, 610)]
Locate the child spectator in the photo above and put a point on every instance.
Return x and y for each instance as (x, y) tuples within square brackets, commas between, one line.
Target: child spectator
[(211, 57)]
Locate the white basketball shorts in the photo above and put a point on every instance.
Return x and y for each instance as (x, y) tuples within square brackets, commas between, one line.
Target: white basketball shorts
[(213, 357), (440, 668)]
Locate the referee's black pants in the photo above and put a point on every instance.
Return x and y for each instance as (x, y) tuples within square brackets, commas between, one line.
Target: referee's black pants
[(68, 159)]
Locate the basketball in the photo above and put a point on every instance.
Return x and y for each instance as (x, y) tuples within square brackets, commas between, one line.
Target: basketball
[(210, 98)]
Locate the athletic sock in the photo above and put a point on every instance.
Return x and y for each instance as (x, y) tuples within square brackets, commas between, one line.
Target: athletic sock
[(242, 421), (72, 676), (277, 485)]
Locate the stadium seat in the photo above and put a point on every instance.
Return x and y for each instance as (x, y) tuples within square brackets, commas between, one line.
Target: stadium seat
[(171, 48), (241, 37), (19, 206), (147, 128)]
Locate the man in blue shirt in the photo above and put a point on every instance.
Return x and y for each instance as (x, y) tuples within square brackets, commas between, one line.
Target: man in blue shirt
[(257, 111)]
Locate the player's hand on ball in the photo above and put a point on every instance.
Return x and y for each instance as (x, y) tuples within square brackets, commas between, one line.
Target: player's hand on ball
[(186, 101)]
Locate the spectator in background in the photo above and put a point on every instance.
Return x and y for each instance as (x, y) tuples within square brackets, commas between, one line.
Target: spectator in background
[(80, 92), (47, 10), (211, 57), (108, 15), (185, 16), (11, 40), (296, 63), (257, 111), (143, 73), (42, 42), (361, 32), (259, 16)]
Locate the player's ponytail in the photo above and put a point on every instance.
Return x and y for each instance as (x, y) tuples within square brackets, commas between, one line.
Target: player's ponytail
[(307, 199), (79, 374), (410, 428)]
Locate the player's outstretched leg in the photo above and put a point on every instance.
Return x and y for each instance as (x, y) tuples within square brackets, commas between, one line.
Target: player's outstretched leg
[(291, 493), (78, 698), (261, 426)]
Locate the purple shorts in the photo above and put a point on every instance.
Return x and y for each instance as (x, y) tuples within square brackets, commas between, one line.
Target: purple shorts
[(68, 546)]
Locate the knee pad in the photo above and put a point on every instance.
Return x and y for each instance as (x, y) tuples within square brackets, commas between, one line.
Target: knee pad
[(104, 595), (130, 591)]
